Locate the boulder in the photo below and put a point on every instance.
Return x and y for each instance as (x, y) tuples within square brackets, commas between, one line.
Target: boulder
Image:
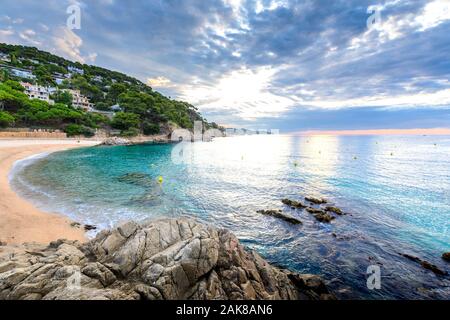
[(280, 215), (161, 259)]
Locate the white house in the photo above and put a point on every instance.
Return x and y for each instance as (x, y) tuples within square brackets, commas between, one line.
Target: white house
[(80, 101), (38, 92)]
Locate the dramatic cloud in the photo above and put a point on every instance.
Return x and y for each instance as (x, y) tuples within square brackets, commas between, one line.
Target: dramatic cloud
[(263, 62)]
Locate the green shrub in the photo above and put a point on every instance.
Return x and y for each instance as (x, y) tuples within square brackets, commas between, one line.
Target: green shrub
[(6, 120), (78, 130), (150, 128), (132, 132)]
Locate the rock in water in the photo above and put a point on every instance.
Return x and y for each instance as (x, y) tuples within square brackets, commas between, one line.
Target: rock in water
[(162, 259), (280, 215), (446, 256), (320, 215), (138, 178), (425, 264), (335, 210), (315, 200), (293, 204)]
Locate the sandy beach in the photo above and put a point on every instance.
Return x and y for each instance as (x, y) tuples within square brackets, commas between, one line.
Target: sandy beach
[(20, 221)]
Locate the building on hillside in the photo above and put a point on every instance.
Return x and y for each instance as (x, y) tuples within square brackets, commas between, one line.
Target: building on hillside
[(4, 57), (22, 73), (79, 101), (73, 69), (59, 78), (116, 108), (38, 92), (98, 78)]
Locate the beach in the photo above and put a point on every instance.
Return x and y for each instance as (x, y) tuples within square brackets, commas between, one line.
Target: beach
[(20, 221)]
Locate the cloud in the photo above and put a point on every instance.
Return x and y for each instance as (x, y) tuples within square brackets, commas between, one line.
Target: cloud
[(68, 44), (261, 61), (29, 36), (159, 82)]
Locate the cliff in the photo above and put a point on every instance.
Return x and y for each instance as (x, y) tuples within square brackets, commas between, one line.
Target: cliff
[(162, 259)]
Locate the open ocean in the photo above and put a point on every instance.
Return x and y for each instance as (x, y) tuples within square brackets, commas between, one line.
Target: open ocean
[(395, 189)]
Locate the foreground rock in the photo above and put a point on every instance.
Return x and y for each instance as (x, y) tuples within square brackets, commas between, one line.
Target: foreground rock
[(163, 259), (280, 215)]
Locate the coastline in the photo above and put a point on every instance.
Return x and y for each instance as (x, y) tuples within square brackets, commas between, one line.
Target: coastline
[(20, 221)]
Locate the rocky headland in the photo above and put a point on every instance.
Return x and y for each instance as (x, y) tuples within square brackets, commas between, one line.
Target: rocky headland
[(162, 259)]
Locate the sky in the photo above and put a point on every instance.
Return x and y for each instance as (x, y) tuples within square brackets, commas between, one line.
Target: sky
[(276, 64)]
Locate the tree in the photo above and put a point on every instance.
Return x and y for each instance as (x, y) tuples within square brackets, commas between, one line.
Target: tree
[(63, 97), (125, 121), (6, 120), (150, 128), (115, 91)]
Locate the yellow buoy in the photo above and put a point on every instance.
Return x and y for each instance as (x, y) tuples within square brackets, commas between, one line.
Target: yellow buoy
[(160, 179)]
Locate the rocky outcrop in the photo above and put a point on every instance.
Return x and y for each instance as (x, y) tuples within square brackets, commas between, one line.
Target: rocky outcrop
[(280, 215), (116, 141), (163, 259)]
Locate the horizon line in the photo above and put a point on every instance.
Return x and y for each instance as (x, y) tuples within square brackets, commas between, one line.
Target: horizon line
[(416, 131)]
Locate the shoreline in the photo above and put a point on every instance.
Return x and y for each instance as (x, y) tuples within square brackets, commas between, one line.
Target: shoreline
[(20, 220)]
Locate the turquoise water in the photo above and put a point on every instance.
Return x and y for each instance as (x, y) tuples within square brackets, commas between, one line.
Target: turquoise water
[(395, 189)]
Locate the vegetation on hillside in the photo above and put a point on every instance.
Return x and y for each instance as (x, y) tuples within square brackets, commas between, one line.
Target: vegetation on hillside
[(143, 109)]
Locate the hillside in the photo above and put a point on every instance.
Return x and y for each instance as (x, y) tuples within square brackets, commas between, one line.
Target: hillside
[(79, 98)]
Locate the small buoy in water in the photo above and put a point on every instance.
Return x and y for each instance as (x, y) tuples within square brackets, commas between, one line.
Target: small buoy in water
[(435, 144), (320, 152), (160, 179), (392, 153), (295, 164), (242, 157), (355, 158)]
